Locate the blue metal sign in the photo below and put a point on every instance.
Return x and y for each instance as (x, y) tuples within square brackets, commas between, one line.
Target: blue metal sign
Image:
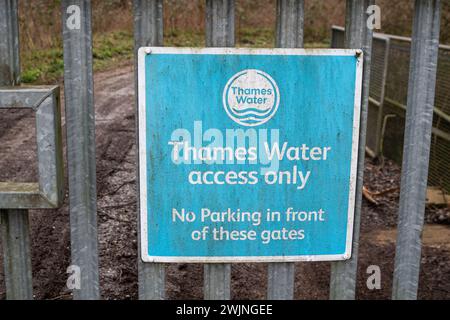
[(248, 154)]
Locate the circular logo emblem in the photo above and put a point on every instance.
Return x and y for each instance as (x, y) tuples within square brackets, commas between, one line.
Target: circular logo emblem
[(251, 97)]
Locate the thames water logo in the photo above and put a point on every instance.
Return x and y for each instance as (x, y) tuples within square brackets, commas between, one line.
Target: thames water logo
[(251, 97)]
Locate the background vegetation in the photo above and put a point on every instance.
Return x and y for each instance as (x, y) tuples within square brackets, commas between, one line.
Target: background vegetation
[(41, 44)]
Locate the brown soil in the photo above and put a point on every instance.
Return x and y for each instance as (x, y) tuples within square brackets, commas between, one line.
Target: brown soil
[(115, 131)]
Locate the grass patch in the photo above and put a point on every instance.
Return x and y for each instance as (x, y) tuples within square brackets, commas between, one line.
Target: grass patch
[(42, 66), (47, 65), (256, 38), (176, 38), (113, 49)]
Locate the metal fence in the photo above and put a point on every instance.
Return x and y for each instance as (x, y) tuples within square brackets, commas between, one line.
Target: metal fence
[(388, 100), (80, 125)]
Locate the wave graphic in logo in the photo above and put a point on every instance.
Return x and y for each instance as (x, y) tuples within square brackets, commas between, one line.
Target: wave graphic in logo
[(251, 97)]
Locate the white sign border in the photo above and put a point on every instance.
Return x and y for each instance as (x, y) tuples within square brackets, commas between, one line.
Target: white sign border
[(144, 51)]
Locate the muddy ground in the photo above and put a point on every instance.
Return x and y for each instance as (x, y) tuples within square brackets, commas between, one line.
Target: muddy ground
[(115, 138)]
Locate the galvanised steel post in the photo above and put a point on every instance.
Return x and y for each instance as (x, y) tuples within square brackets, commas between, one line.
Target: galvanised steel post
[(16, 254), (80, 124), (357, 36), (9, 43), (416, 150), (219, 33), (290, 17), (220, 23), (280, 281), (14, 223), (148, 31)]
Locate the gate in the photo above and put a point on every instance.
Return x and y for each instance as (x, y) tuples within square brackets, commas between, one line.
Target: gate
[(80, 124)]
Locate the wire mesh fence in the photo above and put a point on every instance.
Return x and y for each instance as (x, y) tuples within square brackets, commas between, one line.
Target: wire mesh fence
[(388, 99)]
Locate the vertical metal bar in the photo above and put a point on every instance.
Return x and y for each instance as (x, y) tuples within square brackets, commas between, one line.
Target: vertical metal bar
[(16, 254), (290, 17), (219, 33), (9, 43), (220, 23), (80, 124), (280, 281), (217, 281), (14, 223), (419, 120), (357, 36), (148, 31)]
